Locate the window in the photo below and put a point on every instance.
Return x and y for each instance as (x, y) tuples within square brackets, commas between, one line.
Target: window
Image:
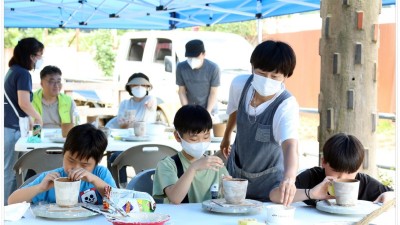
[(136, 49), (163, 48)]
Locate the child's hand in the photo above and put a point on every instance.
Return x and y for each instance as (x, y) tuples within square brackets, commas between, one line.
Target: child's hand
[(48, 181), (321, 190), (149, 104), (385, 197), (123, 123), (80, 174), (208, 162)]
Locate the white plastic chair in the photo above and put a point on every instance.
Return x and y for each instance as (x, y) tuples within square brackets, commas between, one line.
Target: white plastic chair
[(141, 157), (38, 160)]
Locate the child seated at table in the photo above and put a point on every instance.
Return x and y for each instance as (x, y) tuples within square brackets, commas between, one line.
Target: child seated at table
[(188, 176), (83, 150), (343, 156)]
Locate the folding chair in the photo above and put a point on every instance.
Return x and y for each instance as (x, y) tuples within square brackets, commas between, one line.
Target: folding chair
[(143, 182), (38, 160), (140, 157)]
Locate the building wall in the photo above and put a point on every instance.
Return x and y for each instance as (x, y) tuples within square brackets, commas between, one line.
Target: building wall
[(305, 81)]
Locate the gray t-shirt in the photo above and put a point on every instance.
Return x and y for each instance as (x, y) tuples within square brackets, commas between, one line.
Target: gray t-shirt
[(51, 117), (198, 81)]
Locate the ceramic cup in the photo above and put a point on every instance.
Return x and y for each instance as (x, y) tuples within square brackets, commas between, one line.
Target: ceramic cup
[(234, 190), (219, 129), (346, 191), (65, 128), (280, 215), (24, 126), (67, 191), (140, 128), (130, 116)]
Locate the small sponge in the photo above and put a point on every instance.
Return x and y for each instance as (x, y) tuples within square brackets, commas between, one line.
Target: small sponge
[(331, 190)]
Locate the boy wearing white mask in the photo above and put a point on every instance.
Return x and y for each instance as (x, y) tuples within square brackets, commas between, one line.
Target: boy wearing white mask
[(198, 78), (265, 150), (187, 176)]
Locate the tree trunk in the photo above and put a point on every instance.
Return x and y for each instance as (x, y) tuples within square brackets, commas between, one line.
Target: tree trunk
[(348, 91)]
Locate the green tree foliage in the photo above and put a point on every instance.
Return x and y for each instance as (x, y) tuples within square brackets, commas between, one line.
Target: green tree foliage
[(101, 42), (385, 178), (105, 56), (245, 29), (13, 35)]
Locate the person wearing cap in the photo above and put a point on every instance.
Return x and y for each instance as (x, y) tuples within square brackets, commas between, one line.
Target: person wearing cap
[(138, 86), (198, 78), (54, 107)]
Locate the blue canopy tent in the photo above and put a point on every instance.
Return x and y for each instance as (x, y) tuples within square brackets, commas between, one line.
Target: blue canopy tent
[(146, 14)]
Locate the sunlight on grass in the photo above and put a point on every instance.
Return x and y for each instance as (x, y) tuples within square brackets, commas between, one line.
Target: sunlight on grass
[(385, 126)]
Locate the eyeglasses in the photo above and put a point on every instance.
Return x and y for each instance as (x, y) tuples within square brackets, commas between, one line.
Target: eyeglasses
[(53, 82)]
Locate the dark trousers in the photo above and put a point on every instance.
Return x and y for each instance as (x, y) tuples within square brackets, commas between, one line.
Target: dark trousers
[(122, 172)]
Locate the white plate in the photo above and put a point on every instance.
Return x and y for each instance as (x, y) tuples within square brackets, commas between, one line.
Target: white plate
[(57, 139), (361, 208), (216, 139), (220, 206), (136, 138), (53, 211)]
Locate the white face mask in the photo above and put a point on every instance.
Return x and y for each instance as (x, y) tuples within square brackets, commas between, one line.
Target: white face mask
[(266, 86), (196, 150), (38, 64), (139, 91), (195, 63)]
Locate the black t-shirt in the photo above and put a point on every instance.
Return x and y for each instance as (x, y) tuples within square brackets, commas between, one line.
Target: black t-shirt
[(369, 190), (17, 79)]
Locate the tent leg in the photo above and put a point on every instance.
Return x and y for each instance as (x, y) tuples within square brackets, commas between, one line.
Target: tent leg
[(259, 30)]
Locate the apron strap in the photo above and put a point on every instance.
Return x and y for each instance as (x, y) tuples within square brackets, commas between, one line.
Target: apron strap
[(179, 172)]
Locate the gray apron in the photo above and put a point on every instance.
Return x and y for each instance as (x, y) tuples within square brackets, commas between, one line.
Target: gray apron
[(255, 154)]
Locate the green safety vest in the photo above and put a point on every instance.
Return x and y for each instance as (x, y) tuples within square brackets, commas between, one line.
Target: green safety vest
[(64, 105)]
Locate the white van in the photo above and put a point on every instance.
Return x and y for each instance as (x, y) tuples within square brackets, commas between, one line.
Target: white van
[(156, 54)]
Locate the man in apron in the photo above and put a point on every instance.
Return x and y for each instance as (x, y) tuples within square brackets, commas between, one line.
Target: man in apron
[(265, 150)]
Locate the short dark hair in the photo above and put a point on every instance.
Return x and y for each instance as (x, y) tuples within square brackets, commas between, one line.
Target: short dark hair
[(192, 119), (344, 153), (24, 50), (49, 70), (87, 142), (133, 76), (274, 56)]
